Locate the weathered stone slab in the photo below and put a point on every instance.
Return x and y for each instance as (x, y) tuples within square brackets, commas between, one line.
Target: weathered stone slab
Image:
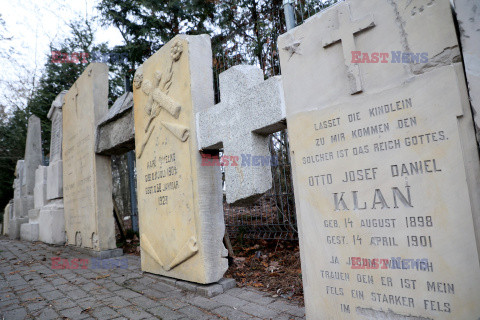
[(250, 110), (179, 201), (40, 189), (87, 177), (116, 131), (385, 163), (29, 231), (51, 216), (468, 18), (19, 201), (7, 213), (52, 223), (55, 168), (14, 227), (33, 153)]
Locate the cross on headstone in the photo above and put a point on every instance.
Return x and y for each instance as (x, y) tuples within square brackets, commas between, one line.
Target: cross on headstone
[(250, 110), (346, 29)]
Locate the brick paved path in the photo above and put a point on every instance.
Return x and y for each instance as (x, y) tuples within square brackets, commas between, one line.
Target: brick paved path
[(30, 289)]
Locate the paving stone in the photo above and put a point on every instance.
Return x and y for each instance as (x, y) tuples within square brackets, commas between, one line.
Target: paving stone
[(165, 313), (154, 294), (227, 283), (12, 303), (196, 313), (30, 296), (231, 301), (66, 287), (76, 293), (89, 302), (73, 313), (69, 292), (52, 295), (62, 304), (127, 294), (134, 313), (210, 290), (232, 314), (259, 311), (112, 286), (203, 302), (15, 314), (35, 306), (89, 286), (47, 314), (44, 287), (144, 302), (288, 308), (172, 303), (164, 287), (58, 282), (104, 313), (116, 302), (255, 297)]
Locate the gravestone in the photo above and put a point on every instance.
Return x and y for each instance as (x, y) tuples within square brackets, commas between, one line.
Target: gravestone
[(33, 159), (6, 217), (19, 202), (116, 130), (179, 201), (468, 18), (250, 109), (30, 231), (87, 178), (51, 216), (385, 164)]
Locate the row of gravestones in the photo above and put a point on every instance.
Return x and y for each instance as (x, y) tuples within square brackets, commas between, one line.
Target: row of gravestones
[(383, 150)]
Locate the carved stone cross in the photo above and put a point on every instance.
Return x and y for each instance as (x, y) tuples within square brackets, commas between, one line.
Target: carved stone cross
[(250, 109), (345, 32)]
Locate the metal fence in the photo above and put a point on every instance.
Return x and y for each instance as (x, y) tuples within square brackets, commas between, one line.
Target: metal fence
[(273, 215)]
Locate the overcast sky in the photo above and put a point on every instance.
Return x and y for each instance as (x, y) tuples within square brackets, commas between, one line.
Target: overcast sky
[(33, 25)]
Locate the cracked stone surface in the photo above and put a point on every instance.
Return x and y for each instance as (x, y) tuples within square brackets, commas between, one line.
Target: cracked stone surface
[(31, 289)]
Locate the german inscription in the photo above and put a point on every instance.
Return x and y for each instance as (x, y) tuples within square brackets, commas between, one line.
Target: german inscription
[(382, 186)]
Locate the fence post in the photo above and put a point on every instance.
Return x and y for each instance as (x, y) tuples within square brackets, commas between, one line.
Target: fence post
[(289, 13)]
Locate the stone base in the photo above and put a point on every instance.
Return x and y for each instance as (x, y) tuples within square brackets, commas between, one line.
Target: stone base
[(105, 254), (206, 290), (14, 227), (33, 215), (29, 232), (52, 225)]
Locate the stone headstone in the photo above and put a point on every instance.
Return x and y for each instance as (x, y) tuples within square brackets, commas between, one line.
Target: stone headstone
[(33, 159), (55, 167), (51, 216), (29, 231), (179, 201), (385, 164), (116, 130), (6, 217), (20, 202), (33, 153), (87, 178), (468, 18), (250, 109)]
